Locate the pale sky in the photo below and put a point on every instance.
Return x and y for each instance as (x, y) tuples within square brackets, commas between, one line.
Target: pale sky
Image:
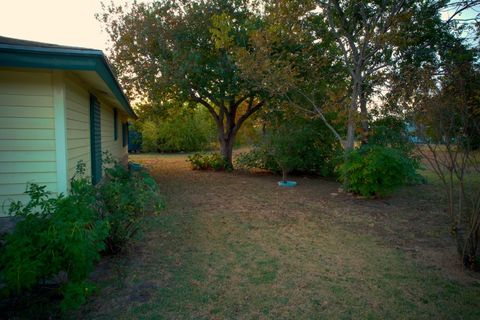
[(64, 22)]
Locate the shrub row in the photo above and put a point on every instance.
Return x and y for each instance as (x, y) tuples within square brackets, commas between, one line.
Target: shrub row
[(375, 169), (58, 239), (204, 161), (297, 145)]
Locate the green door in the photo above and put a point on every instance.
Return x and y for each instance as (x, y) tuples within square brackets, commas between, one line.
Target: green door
[(95, 140)]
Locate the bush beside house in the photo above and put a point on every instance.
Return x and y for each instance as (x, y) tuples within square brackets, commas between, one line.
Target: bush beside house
[(60, 238)]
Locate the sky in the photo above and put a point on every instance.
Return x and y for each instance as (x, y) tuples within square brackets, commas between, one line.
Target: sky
[(65, 22)]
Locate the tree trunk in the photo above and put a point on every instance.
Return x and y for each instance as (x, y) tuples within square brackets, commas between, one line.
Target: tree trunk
[(226, 148), (356, 93), (350, 130), (364, 115), (226, 121), (351, 118)]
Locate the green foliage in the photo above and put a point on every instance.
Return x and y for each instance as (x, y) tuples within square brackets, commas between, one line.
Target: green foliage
[(297, 144), (76, 294), (376, 170), (187, 131), (258, 158), (185, 51), (171, 48), (286, 148), (391, 132), (213, 161), (59, 239), (126, 197), (55, 235)]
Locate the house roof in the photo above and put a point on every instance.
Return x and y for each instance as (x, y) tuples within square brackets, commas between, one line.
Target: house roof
[(32, 54)]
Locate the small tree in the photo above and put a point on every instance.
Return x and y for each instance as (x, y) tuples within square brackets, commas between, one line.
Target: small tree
[(448, 121), (449, 153), (284, 148)]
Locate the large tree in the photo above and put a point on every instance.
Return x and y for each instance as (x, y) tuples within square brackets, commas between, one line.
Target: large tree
[(295, 59), (331, 54), (367, 35), (184, 50)]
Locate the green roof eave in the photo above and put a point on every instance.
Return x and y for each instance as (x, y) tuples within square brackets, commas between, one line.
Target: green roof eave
[(65, 59)]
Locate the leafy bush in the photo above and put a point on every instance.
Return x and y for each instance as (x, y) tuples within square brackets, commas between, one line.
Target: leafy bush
[(60, 238), (259, 157), (56, 235), (391, 132), (299, 145), (125, 197), (203, 161), (186, 130), (376, 170)]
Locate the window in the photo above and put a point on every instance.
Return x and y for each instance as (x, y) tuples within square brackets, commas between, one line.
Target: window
[(95, 139), (115, 124), (124, 134)]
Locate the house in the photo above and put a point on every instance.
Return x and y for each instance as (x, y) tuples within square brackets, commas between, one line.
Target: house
[(58, 105)]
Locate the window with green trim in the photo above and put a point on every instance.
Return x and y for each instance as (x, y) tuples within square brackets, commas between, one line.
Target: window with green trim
[(124, 134), (115, 124)]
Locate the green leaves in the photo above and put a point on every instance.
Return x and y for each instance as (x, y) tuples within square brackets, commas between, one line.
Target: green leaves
[(374, 170), (295, 144), (60, 238), (214, 161), (126, 197), (185, 129), (173, 48), (220, 30), (55, 235), (185, 51)]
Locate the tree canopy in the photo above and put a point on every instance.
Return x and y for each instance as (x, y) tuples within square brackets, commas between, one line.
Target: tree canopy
[(234, 57), (173, 50)]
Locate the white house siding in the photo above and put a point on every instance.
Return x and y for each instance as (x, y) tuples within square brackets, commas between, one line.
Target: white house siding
[(27, 133), (114, 147), (78, 126)]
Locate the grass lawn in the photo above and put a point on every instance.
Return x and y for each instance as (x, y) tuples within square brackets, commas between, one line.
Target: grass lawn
[(235, 245)]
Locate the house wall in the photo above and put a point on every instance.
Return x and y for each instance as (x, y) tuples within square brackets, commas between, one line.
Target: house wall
[(77, 103), (27, 130), (114, 147), (27, 133), (78, 127)]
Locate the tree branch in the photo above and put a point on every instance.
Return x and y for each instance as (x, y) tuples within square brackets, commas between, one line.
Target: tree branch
[(251, 110), (322, 116), (207, 105)]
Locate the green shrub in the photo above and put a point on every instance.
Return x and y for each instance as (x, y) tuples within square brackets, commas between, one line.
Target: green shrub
[(60, 238), (391, 132), (258, 158), (376, 170), (186, 130), (204, 161), (299, 145), (56, 235), (126, 197)]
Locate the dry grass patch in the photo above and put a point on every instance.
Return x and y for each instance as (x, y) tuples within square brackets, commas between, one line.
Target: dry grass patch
[(234, 245)]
